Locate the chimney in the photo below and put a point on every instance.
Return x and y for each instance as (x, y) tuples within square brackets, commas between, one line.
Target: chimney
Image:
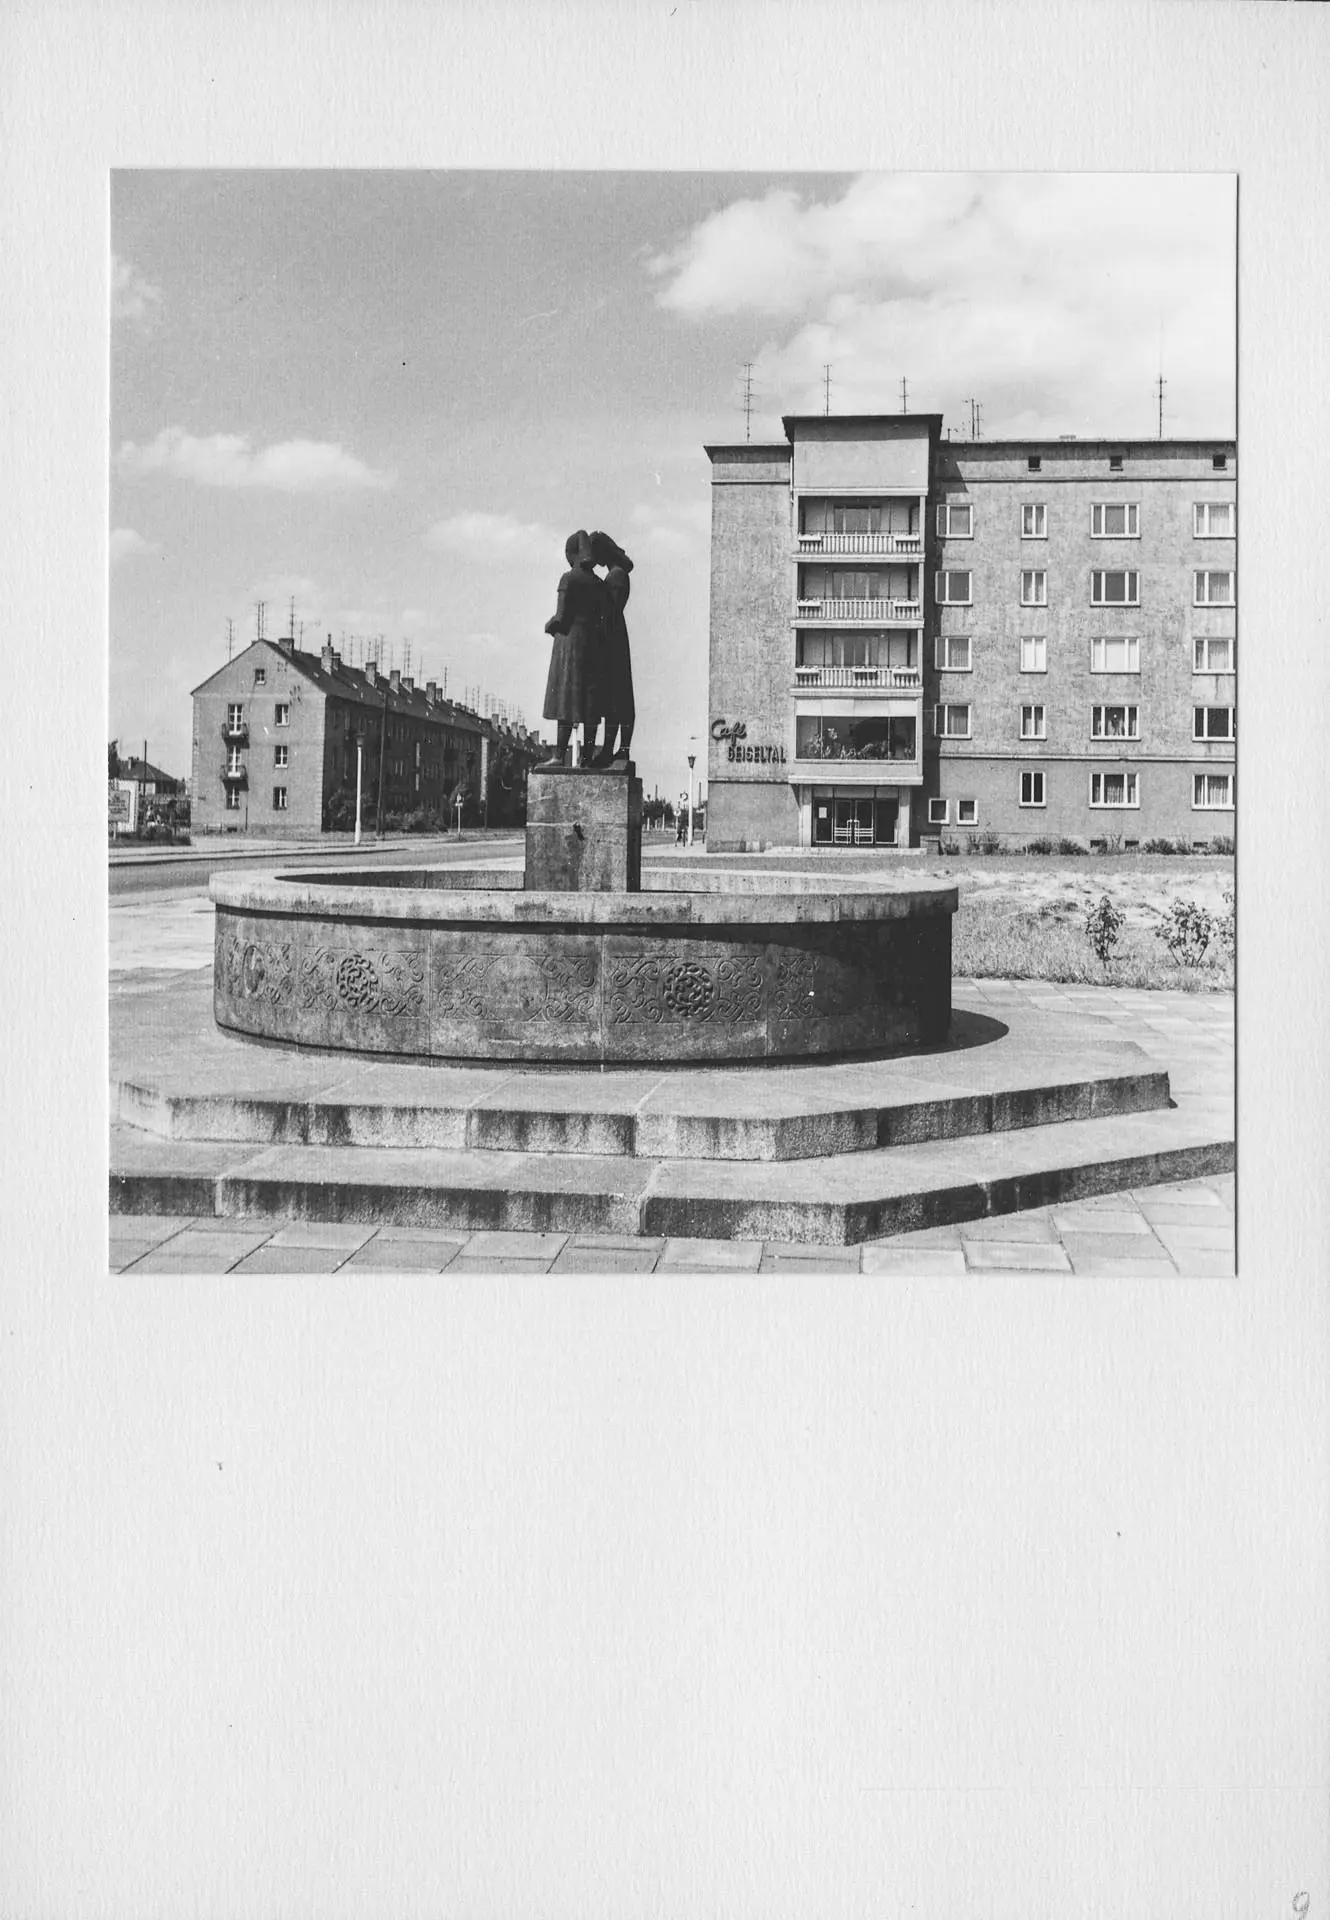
[(395, 679), (337, 663), (328, 657), (371, 671), (432, 692), (408, 685), (287, 643)]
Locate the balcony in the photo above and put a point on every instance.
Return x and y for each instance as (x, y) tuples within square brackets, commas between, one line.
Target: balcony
[(911, 543), (867, 679), (234, 774), (236, 734), (878, 612)]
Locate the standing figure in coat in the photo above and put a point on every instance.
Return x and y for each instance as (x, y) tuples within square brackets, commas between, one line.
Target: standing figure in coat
[(578, 626), (616, 678)]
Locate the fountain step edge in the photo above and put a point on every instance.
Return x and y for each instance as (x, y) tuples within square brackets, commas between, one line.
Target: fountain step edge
[(838, 1199)]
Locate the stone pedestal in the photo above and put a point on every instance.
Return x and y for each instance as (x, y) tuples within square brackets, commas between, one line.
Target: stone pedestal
[(584, 830)]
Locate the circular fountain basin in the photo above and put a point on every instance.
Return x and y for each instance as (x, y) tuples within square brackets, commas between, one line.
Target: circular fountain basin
[(466, 964)]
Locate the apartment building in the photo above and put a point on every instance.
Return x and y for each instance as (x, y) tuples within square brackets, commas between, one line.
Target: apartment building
[(275, 747), (913, 637)]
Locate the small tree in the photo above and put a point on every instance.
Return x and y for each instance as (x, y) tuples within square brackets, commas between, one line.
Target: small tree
[(1103, 928), (113, 759), (1187, 931)]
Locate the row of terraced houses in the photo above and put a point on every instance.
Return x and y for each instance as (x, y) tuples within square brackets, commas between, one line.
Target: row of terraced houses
[(279, 734), (914, 637)]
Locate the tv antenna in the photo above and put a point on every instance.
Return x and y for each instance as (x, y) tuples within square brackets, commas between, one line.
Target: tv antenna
[(260, 613), (748, 400), (976, 418), (826, 386), (291, 623), (1160, 384), (230, 638), (905, 394)]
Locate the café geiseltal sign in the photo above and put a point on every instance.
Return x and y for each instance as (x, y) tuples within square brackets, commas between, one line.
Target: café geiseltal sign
[(735, 734)]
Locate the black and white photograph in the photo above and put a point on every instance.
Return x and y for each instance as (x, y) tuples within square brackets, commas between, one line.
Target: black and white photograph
[(665, 1222)]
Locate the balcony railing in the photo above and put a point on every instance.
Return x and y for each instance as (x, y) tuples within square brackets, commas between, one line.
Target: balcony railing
[(236, 732), (233, 775), (894, 679), (880, 610), (861, 543)]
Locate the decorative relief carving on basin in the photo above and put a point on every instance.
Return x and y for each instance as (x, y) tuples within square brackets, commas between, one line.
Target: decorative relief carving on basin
[(669, 974)]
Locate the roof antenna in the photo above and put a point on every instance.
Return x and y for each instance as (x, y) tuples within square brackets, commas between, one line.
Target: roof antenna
[(260, 610), (748, 400), (230, 638), (826, 386), (905, 394), (1160, 384)]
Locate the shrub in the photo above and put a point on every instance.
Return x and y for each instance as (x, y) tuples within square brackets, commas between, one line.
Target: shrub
[(1041, 844), (1114, 843), (1226, 925), (1158, 846), (1103, 927), (1070, 846), (1187, 931), (988, 841), (945, 844), (1223, 843)]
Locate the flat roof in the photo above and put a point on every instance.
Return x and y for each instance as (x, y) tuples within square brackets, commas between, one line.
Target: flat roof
[(789, 420)]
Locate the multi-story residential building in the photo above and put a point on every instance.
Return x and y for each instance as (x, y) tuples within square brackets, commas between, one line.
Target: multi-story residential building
[(275, 746), (912, 635)]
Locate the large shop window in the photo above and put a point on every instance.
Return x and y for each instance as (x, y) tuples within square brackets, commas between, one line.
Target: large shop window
[(876, 736), (859, 516)]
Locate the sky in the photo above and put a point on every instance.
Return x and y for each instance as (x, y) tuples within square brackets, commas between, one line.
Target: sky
[(390, 396)]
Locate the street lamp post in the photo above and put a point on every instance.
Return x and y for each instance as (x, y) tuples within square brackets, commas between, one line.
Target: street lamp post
[(360, 755), (691, 758)]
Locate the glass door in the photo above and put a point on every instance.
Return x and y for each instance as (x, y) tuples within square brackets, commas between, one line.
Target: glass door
[(885, 822)]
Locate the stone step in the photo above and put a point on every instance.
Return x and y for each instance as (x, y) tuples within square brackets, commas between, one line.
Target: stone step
[(834, 1199), (798, 1114)]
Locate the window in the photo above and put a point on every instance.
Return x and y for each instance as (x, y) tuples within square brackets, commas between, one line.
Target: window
[(1113, 653), (279, 756), (1114, 589), (1034, 653), (234, 763), (1115, 520), (951, 722), (1212, 790), (1114, 790), (260, 676), (282, 714), (1213, 653), (955, 520), (937, 813), (1034, 589), (1033, 726), (1115, 463), (1032, 789), (967, 813), (1219, 462), (1033, 464), (279, 799), (1212, 723), (952, 653), (1034, 522), (1213, 519), (953, 589), (848, 736), (235, 718), (1115, 723), (233, 799), (1213, 589)]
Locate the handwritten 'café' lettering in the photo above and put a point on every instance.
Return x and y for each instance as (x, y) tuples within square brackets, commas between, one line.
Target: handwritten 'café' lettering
[(736, 733)]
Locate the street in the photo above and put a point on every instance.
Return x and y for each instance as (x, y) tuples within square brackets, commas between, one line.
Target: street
[(189, 871)]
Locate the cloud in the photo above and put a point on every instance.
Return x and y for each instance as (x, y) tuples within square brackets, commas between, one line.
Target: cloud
[(227, 460), (1046, 297), (673, 526), (491, 536), (125, 543), (132, 297)]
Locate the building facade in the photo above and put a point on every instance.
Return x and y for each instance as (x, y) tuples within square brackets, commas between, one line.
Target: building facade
[(275, 747), (914, 637)]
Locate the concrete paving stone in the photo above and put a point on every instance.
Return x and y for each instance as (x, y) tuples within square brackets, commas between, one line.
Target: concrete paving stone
[(1176, 1213), (613, 1243), (208, 1243), (322, 1233), (1032, 1226), (1218, 1237), (1196, 1264), (393, 1255), (292, 1260), (590, 1260), (710, 1256), (1182, 1192), (782, 1258), (1113, 1246), (1097, 1266), (912, 1262), (1090, 1219), (483, 1263), (496, 1244), (926, 1239), (1015, 1257), (219, 1258)]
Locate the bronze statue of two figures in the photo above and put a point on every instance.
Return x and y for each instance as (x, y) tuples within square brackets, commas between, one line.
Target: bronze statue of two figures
[(591, 674)]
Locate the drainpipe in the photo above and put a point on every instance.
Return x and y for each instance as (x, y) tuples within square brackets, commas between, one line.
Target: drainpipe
[(383, 754)]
